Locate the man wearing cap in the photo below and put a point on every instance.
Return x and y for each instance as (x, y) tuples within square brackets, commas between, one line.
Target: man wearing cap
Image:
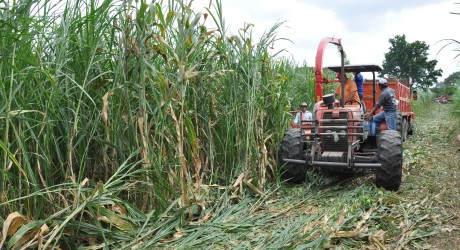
[(351, 91), (302, 115), (387, 100)]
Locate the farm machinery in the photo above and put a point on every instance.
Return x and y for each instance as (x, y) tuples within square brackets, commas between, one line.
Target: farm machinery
[(443, 99), (339, 139)]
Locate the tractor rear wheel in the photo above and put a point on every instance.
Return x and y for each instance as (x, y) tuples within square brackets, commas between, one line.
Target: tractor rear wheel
[(292, 147), (390, 153)]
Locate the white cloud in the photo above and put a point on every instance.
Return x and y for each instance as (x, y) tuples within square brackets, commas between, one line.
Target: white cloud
[(364, 26)]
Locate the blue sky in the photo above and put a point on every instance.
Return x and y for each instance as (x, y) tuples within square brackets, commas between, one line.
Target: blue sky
[(365, 26)]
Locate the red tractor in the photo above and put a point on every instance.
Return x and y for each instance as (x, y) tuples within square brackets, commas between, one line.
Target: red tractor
[(338, 138), (443, 99)]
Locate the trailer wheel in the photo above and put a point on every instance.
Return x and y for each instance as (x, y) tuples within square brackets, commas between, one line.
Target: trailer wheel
[(410, 128), (399, 122), (292, 147), (404, 130), (390, 153)]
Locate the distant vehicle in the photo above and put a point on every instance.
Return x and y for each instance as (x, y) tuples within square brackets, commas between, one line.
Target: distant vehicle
[(443, 99)]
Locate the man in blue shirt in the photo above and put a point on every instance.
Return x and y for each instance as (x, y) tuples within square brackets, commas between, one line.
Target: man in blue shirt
[(359, 79), (387, 100)]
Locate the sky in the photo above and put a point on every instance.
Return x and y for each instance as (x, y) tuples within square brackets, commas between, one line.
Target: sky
[(364, 27)]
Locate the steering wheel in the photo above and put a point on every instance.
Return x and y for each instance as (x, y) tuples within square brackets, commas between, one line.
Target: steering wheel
[(353, 101)]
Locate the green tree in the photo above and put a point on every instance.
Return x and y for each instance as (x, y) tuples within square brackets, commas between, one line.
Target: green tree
[(449, 86), (452, 80), (406, 60)]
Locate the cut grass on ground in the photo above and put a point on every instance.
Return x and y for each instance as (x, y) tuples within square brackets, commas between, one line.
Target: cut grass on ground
[(350, 213)]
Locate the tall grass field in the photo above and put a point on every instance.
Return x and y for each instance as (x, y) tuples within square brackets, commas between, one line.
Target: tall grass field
[(122, 121), (115, 114)]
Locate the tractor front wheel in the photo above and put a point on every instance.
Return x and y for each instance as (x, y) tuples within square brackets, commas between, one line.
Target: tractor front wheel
[(390, 152), (292, 147)]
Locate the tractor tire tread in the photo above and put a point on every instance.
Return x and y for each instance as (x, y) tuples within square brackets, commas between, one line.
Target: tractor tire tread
[(390, 150), (291, 147)]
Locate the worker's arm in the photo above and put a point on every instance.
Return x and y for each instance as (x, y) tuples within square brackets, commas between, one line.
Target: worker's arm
[(374, 110), (372, 113), (352, 96)]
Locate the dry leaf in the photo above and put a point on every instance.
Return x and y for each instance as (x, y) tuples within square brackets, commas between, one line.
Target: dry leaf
[(11, 224), (347, 234)]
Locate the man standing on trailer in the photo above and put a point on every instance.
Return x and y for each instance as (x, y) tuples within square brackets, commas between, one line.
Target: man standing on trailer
[(359, 80), (387, 100)]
